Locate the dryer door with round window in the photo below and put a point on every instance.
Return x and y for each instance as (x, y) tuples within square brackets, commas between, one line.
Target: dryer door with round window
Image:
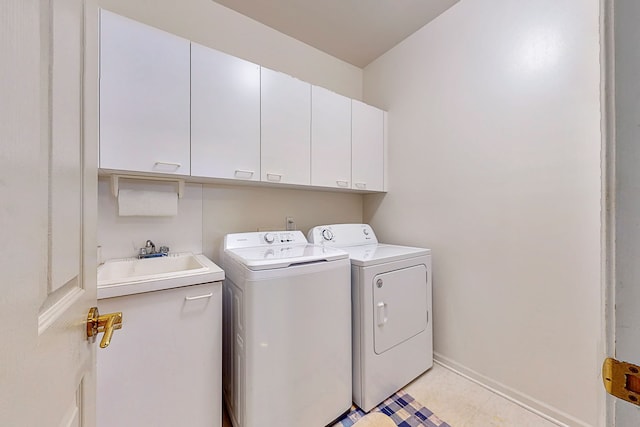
[(400, 309)]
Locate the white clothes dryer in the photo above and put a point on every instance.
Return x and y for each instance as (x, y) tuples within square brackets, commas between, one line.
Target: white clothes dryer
[(391, 310), (286, 330)]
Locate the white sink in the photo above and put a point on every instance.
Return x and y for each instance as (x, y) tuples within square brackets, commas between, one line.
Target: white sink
[(128, 276)]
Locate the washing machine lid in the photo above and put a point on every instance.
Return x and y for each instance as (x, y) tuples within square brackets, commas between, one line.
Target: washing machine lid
[(282, 256), (367, 255)]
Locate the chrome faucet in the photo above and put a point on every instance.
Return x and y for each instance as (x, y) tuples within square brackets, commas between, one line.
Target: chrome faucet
[(149, 250)]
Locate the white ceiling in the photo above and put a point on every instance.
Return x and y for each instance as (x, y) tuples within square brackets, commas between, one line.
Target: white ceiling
[(356, 31)]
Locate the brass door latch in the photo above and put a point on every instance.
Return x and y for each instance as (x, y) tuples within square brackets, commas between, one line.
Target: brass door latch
[(622, 380), (106, 323)]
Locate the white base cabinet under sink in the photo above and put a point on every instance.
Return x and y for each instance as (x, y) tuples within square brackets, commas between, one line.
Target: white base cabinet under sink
[(163, 368)]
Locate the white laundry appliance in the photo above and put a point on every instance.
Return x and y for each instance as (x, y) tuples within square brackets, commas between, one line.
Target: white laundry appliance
[(287, 330), (391, 308)]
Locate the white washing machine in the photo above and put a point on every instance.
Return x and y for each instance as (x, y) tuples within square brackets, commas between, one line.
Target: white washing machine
[(391, 306), (286, 330)]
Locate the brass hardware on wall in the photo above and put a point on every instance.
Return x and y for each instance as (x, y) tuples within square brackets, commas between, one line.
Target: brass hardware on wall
[(106, 323), (622, 380)]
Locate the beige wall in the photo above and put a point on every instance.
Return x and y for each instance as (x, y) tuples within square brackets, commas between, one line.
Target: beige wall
[(494, 163), (229, 209), (213, 25), (208, 212), (123, 236)]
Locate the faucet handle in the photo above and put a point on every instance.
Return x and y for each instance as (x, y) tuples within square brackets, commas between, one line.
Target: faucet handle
[(164, 249)]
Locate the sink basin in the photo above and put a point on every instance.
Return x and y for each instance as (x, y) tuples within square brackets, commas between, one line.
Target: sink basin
[(127, 276), (129, 269)]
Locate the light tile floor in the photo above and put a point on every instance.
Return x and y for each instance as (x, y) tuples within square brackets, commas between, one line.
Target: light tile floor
[(463, 403)]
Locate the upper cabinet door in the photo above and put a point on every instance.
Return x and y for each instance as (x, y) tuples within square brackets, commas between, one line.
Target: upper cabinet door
[(330, 139), (144, 98), (286, 128), (367, 141), (225, 115)]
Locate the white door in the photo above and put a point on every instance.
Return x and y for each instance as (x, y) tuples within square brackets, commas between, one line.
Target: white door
[(285, 108), (401, 306), (144, 98), (225, 115), (180, 388), (367, 147), (48, 211), (330, 139)]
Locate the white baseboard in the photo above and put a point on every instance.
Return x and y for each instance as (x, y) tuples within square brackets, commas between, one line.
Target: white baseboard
[(547, 412)]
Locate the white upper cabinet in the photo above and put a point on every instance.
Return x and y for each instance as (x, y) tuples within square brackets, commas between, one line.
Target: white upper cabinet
[(144, 98), (367, 147), (174, 107), (225, 115), (330, 139), (286, 128)]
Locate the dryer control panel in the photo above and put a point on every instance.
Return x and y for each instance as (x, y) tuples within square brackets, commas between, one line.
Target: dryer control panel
[(342, 235)]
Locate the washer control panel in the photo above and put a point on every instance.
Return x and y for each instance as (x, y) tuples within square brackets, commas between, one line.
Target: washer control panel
[(264, 238), (281, 237)]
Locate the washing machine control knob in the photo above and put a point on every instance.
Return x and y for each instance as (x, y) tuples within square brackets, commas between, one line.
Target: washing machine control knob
[(365, 231), (269, 238), (327, 234)]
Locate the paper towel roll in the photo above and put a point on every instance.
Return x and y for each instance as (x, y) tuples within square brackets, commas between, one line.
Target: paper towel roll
[(147, 203)]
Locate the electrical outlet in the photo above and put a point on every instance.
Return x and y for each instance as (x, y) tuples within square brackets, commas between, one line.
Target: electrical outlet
[(290, 223)]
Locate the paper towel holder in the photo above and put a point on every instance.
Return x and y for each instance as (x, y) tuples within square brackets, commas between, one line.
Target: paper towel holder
[(115, 182)]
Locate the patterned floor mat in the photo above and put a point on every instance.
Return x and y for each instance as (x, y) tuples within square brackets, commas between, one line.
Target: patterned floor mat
[(402, 408)]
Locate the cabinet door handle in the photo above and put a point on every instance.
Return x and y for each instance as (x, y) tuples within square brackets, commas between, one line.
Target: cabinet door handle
[(163, 166), (243, 173), (342, 183), (209, 295), (274, 177), (361, 185)]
